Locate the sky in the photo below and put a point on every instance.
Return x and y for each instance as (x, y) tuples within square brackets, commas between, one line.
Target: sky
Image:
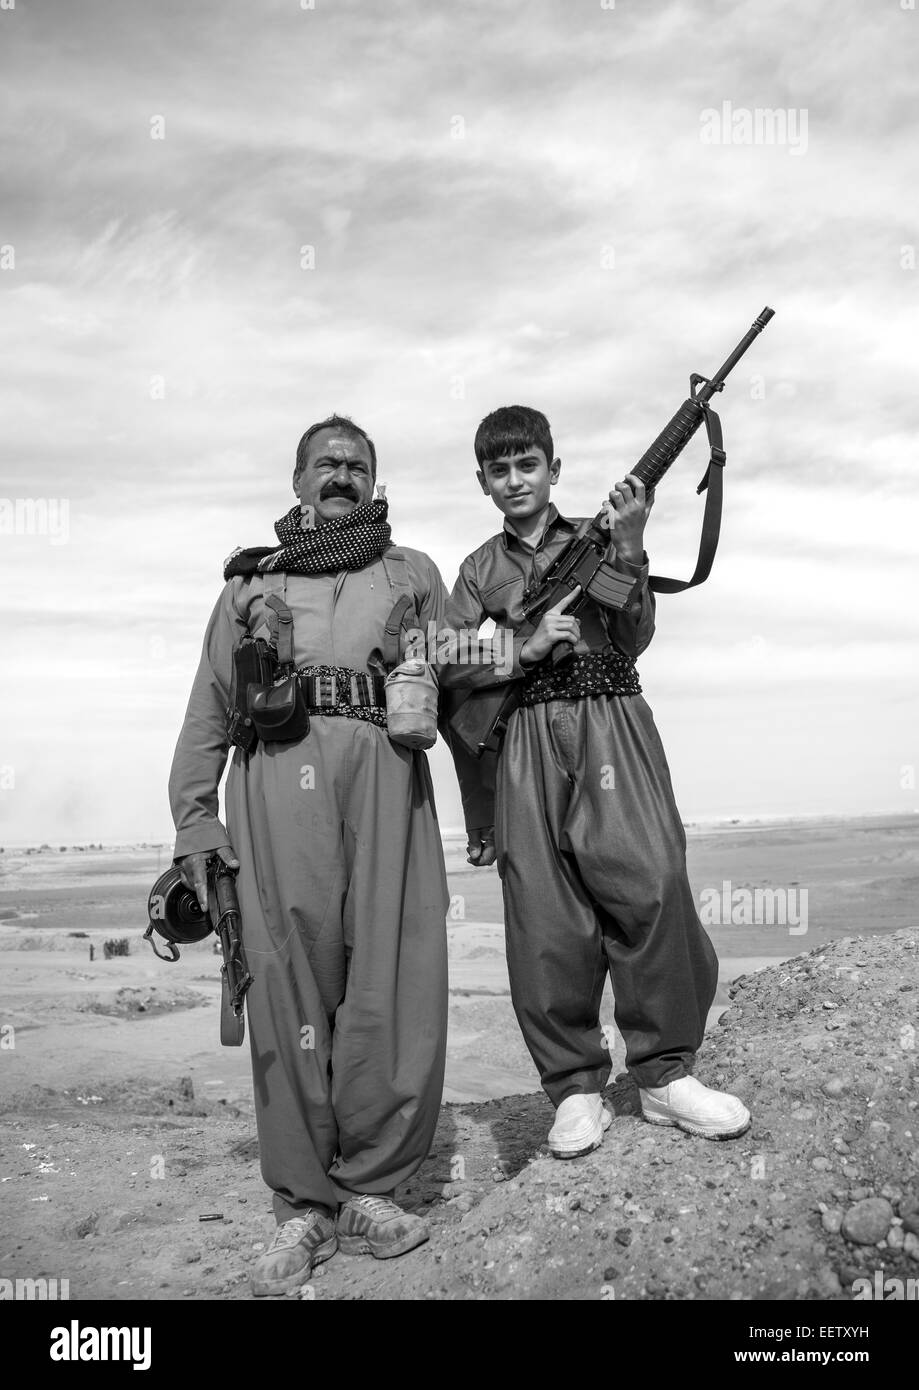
[(221, 222)]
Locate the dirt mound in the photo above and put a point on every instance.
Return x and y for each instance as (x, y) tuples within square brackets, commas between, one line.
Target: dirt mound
[(113, 1104), (133, 1003), (135, 1191), (13, 940)]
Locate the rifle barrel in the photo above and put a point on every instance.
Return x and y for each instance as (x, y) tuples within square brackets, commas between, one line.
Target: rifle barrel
[(759, 323)]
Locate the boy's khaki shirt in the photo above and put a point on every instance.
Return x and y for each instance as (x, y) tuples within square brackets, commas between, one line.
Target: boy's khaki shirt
[(493, 580)]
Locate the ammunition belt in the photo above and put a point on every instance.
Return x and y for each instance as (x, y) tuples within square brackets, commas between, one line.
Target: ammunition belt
[(337, 690), (604, 672)]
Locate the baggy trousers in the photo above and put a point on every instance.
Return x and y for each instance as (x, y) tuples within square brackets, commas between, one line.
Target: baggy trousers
[(343, 898), (591, 853)]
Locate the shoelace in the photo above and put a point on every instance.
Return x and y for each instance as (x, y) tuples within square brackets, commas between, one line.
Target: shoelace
[(291, 1232), (378, 1208)]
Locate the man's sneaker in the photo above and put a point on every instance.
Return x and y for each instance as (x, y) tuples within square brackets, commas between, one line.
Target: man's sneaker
[(376, 1226), (695, 1108), (580, 1122), (298, 1245)]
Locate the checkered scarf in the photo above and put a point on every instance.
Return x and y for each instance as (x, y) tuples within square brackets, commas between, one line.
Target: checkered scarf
[(348, 543)]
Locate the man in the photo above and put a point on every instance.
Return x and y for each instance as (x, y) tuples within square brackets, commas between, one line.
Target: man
[(590, 846), (341, 882)]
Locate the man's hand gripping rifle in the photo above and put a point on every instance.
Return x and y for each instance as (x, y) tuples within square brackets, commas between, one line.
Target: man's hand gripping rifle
[(176, 915)]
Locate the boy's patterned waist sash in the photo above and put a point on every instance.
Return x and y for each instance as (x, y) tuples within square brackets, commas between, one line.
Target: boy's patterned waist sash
[(605, 672)]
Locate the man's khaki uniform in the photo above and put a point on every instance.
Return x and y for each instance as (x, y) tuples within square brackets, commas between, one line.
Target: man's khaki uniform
[(342, 892)]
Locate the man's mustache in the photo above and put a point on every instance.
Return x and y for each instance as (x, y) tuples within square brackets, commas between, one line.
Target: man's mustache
[(335, 490)]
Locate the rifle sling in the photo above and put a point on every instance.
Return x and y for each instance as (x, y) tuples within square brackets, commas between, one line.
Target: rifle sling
[(285, 630), (402, 611), (713, 485)]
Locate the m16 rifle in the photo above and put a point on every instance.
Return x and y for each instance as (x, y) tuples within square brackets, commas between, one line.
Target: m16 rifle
[(480, 721)]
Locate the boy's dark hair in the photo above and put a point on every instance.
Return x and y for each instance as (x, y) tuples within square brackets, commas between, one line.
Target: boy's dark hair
[(335, 422), (513, 429)]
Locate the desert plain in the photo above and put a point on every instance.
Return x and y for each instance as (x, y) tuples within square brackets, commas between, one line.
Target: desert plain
[(125, 1121)]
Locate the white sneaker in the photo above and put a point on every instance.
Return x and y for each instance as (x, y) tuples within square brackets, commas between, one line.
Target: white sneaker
[(695, 1108), (580, 1122)]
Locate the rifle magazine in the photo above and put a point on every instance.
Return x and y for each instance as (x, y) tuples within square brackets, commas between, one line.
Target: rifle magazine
[(610, 588)]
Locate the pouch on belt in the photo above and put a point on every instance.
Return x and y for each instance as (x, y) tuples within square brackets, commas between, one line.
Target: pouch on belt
[(278, 710), (253, 664), (410, 687)]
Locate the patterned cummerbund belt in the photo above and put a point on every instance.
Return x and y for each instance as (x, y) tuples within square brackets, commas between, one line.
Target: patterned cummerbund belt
[(605, 672), (339, 690)]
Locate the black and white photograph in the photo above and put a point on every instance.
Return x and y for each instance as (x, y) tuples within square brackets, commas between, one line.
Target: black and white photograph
[(459, 823)]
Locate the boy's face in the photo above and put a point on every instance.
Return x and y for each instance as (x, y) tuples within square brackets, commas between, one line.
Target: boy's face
[(519, 484)]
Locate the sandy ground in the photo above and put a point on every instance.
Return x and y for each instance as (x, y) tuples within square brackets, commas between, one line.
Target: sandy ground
[(125, 1121)]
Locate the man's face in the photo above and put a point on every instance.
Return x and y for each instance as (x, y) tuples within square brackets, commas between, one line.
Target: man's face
[(337, 475), (519, 484)]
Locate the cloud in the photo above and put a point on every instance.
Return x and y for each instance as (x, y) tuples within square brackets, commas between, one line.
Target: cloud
[(504, 203)]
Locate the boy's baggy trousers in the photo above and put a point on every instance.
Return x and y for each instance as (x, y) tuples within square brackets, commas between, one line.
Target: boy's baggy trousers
[(343, 897), (591, 853)]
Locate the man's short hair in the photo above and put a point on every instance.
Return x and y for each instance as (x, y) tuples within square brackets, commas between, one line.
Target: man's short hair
[(345, 425), (513, 429)]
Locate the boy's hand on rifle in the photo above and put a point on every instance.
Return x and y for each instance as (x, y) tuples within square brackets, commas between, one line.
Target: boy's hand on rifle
[(193, 871), (480, 849), (630, 507), (555, 626)]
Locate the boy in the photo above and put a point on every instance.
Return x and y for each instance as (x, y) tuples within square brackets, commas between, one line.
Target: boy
[(590, 846)]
